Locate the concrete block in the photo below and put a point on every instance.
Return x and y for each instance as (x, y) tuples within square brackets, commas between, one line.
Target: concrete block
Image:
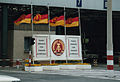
[(83, 66), (66, 67), (72, 67), (34, 68), (50, 68)]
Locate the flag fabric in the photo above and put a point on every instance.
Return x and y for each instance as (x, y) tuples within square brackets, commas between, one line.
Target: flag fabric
[(72, 22), (57, 21), (60, 21), (41, 19), (53, 22), (38, 19), (17, 22), (27, 19)]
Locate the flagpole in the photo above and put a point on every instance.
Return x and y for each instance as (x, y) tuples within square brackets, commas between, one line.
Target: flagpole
[(65, 34), (49, 33), (110, 56), (32, 16), (79, 25), (32, 24)]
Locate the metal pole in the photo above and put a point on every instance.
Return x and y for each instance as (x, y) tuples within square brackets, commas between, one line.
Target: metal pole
[(49, 33), (32, 16), (32, 25), (109, 39), (79, 21), (79, 26), (65, 34)]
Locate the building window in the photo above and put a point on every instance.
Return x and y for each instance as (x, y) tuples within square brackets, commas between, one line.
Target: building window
[(27, 44)]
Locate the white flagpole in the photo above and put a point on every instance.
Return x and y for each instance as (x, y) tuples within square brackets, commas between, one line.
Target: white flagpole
[(49, 33), (32, 16), (110, 55), (65, 34), (79, 25), (32, 23)]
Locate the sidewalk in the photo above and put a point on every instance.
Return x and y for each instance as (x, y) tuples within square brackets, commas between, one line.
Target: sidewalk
[(104, 67), (99, 72)]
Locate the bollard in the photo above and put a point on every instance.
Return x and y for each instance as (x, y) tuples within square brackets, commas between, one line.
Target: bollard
[(53, 61), (29, 61), (17, 63), (29, 58)]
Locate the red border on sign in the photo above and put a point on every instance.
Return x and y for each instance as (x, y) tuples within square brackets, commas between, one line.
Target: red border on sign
[(78, 48), (68, 48), (46, 47), (36, 47)]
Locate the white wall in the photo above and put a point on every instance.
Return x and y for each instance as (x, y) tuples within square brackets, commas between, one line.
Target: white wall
[(86, 4), (116, 5), (93, 4)]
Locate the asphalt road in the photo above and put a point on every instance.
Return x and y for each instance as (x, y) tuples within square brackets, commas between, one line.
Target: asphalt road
[(40, 77)]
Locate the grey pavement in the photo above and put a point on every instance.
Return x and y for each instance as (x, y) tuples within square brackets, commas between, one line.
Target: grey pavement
[(104, 67), (40, 77), (98, 74)]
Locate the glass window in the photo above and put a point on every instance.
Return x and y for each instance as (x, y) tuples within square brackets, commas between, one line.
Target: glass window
[(27, 44)]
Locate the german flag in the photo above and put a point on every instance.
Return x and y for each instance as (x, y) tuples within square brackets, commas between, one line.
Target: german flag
[(72, 22), (27, 19), (41, 19), (60, 21), (53, 22), (17, 22), (57, 21)]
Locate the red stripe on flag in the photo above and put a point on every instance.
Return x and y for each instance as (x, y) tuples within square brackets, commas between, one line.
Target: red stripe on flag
[(28, 16), (71, 20), (20, 18), (45, 16), (109, 57), (75, 19), (39, 17), (53, 20), (110, 67), (60, 18)]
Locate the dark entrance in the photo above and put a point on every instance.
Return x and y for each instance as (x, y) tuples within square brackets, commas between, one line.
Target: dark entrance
[(94, 28)]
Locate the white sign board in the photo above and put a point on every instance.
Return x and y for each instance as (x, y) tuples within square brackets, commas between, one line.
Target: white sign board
[(41, 47), (56, 47), (58, 50), (74, 51)]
